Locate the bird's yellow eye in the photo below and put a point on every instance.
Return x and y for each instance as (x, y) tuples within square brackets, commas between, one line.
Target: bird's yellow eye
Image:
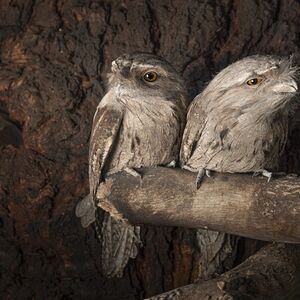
[(150, 76), (254, 81)]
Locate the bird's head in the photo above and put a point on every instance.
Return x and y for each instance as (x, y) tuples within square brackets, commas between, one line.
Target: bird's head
[(262, 83), (145, 76)]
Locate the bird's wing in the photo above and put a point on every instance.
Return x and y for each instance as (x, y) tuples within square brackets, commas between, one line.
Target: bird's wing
[(105, 133), (193, 130), (106, 126), (119, 240)]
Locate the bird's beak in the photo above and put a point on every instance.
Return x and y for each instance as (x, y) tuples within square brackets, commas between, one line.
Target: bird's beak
[(286, 86)]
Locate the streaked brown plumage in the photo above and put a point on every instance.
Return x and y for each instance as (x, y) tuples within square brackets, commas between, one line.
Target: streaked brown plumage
[(138, 123)]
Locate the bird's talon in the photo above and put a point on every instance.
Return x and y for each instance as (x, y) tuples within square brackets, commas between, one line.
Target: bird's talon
[(199, 178), (267, 174), (171, 164), (133, 172), (185, 167)]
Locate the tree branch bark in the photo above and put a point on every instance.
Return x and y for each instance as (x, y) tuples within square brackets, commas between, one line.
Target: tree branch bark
[(234, 203), (272, 273)]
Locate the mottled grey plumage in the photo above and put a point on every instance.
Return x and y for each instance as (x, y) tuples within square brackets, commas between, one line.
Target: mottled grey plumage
[(138, 123), (236, 127)]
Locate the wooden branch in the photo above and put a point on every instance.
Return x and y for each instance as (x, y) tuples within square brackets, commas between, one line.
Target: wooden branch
[(234, 203), (272, 273)]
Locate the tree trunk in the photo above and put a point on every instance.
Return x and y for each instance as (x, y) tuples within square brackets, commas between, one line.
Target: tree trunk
[(272, 273), (54, 56)]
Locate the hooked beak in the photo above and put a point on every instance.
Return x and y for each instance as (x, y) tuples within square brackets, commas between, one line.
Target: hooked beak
[(287, 86)]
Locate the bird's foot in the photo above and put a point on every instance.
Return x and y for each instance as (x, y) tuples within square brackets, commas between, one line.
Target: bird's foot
[(188, 168), (133, 172), (171, 164), (269, 174), (264, 173), (200, 176), (208, 173)]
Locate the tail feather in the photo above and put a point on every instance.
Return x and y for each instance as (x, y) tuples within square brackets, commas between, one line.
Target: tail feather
[(137, 243), (119, 241), (85, 210), (217, 251)]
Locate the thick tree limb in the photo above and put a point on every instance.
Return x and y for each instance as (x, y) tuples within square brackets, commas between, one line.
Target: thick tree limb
[(232, 203), (272, 273)]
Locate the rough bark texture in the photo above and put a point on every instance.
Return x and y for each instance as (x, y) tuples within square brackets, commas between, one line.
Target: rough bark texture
[(272, 273), (54, 55)]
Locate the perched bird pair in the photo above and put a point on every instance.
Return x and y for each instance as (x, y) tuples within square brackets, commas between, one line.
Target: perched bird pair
[(237, 124)]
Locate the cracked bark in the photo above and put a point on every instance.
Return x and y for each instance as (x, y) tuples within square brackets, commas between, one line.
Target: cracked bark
[(54, 56), (272, 273)]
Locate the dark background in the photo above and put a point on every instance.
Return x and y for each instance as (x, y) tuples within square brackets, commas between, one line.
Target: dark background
[(53, 60)]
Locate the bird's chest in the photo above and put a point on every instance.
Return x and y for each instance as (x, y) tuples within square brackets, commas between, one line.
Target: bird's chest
[(146, 139), (240, 146)]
